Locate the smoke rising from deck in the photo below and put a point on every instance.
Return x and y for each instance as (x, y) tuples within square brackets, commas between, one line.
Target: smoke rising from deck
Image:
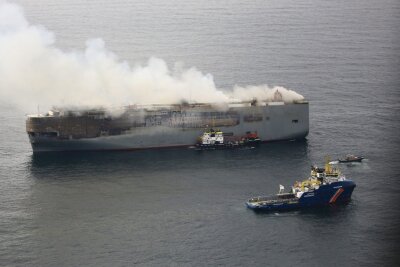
[(266, 93), (33, 71)]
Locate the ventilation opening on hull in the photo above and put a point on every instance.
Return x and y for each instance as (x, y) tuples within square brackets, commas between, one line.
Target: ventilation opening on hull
[(45, 134)]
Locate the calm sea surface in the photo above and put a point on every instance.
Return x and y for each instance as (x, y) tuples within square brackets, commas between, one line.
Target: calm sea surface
[(183, 208)]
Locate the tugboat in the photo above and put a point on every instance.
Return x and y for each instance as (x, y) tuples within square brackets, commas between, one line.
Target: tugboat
[(216, 139), (325, 186), (251, 139), (351, 158)]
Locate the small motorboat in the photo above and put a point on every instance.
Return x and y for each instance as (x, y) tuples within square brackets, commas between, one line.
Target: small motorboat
[(351, 158), (251, 138)]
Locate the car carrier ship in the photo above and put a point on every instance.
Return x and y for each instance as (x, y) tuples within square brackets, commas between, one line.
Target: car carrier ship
[(159, 126)]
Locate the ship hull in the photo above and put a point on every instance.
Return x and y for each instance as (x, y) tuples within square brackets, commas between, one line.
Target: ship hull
[(334, 193), (285, 122), (275, 207)]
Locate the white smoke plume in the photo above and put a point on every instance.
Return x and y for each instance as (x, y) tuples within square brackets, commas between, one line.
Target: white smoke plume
[(33, 71), (266, 93)]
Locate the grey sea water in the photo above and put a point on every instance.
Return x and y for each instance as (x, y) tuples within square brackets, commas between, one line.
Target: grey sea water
[(184, 208)]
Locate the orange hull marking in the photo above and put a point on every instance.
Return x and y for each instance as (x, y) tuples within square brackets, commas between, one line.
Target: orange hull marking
[(336, 195)]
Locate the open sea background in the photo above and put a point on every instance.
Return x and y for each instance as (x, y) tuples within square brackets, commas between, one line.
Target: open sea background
[(183, 208)]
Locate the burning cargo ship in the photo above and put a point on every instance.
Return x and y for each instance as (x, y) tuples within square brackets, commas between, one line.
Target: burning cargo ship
[(158, 126)]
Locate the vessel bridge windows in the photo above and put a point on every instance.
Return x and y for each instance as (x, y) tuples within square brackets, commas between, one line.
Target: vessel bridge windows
[(295, 121)]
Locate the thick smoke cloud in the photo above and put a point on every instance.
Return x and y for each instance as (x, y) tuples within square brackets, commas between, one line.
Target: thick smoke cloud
[(33, 71), (266, 93)]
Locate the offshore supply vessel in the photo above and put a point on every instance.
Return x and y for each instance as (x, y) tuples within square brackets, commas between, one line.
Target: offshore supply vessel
[(326, 186), (158, 126)]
